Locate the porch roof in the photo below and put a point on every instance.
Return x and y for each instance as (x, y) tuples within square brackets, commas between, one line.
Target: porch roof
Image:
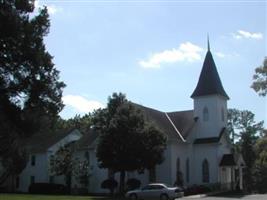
[(228, 160)]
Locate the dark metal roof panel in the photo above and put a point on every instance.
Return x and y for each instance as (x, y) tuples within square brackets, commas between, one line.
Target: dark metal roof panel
[(209, 82)]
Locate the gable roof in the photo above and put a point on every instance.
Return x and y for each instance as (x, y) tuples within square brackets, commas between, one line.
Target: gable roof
[(209, 82), (228, 160), (183, 120), (173, 124), (87, 139), (40, 142)]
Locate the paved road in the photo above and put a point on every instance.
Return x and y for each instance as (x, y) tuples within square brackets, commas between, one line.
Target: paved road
[(245, 197)]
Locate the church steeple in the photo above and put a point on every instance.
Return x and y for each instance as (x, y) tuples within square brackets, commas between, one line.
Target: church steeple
[(209, 82)]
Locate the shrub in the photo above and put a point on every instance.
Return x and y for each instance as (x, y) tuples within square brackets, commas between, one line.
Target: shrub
[(196, 189), (47, 188), (133, 183), (109, 184)]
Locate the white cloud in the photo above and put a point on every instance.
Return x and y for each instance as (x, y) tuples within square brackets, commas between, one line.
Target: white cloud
[(52, 9), (220, 54), (248, 35), (81, 104), (185, 52)]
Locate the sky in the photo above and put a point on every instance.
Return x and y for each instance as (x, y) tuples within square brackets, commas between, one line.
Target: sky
[(153, 51)]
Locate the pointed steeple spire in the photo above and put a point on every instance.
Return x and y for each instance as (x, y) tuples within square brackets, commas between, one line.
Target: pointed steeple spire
[(208, 42), (209, 82)]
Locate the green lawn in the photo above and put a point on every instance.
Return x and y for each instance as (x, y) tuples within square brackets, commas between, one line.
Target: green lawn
[(48, 197)]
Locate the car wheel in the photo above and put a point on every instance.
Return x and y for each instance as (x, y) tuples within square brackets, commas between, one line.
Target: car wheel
[(133, 197), (164, 197)]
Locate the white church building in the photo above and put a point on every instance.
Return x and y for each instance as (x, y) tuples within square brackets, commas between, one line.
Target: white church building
[(198, 147)]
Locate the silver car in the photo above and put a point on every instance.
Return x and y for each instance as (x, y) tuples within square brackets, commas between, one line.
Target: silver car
[(155, 191)]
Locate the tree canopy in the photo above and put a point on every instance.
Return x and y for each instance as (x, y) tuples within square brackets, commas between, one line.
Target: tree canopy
[(260, 79), (242, 121), (260, 167), (245, 132), (127, 142), (30, 89)]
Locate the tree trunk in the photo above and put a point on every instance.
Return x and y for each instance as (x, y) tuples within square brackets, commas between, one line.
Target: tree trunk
[(122, 177), (152, 175)]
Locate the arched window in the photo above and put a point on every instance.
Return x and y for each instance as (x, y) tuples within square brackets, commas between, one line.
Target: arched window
[(178, 164), (222, 113), (187, 170), (179, 176), (205, 171), (205, 114)]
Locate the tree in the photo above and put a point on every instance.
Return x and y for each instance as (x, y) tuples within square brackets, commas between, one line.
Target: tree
[(260, 79), (240, 122), (30, 90), (83, 123), (126, 141), (245, 132), (64, 163), (260, 167)]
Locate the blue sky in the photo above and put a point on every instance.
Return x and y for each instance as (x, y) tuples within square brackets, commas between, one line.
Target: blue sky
[(153, 51)]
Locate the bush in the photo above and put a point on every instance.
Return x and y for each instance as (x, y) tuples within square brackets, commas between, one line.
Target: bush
[(47, 188), (109, 184), (133, 183), (197, 189)]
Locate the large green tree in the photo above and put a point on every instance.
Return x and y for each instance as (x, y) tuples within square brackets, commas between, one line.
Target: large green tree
[(242, 121), (82, 123), (30, 90), (260, 79), (244, 132), (260, 166), (127, 142)]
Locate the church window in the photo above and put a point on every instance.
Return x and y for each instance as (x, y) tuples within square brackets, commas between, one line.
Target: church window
[(178, 164), (205, 171), (187, 170), (222, 114), (179, 176), (205, 114), (33, 160)]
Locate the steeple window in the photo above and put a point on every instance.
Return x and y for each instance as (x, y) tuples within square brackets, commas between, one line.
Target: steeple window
[(205, 114)]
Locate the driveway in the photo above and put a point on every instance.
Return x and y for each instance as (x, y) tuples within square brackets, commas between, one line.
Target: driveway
[(229, 197)]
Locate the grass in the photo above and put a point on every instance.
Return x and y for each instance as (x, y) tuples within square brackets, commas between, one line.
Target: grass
[(48, 197)]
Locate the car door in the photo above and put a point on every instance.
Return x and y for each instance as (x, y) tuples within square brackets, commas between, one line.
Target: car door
[(157, 191), (146, 192)]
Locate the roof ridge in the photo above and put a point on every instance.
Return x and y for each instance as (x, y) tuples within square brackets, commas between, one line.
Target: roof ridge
[(180, 111), (177, 131)]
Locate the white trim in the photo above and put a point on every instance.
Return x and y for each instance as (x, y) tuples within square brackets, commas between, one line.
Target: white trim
[(175, 127)]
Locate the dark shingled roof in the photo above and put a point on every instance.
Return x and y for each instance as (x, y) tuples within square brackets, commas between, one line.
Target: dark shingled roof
[(183, 121), (87, 139), (228, 160), (40, 142), (209, 81)]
